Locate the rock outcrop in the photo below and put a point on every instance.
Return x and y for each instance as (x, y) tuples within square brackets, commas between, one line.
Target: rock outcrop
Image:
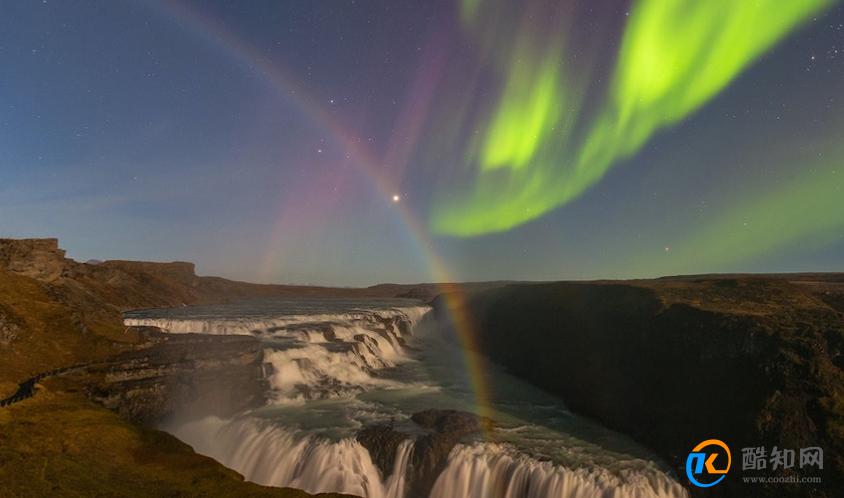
[(430, 452), (9, 326), (194, 373), (451, 422), (37, 258)]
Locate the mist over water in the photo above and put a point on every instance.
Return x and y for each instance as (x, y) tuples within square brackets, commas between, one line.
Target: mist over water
[(335, 367)]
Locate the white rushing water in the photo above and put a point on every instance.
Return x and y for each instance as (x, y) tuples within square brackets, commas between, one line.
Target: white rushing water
[(274, 456), (500, 471), (326, 354), (335, 367)]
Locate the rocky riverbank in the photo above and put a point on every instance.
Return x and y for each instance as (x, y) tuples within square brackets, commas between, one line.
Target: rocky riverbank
[(194, 373), (756, 362)]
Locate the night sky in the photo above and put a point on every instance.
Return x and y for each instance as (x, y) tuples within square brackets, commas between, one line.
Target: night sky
[(356, 142)]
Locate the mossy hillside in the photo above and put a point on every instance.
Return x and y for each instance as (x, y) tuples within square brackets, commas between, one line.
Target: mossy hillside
[(60, 444)]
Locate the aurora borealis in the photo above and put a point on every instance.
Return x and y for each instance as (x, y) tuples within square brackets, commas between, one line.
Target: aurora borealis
[(355, 142), (674, 57)]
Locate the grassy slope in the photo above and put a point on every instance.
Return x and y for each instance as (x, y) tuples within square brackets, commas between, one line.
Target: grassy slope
[(50, 333), (60, 444)]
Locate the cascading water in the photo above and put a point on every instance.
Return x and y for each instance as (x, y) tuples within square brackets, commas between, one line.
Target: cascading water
[(335, 367), (311, 353), (498, 471), (275, 456)]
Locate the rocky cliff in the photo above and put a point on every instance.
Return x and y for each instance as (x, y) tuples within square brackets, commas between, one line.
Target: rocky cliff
[(194, 373), (752, 361)]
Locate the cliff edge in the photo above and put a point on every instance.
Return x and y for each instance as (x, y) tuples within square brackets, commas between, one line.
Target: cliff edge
[(753, 361)]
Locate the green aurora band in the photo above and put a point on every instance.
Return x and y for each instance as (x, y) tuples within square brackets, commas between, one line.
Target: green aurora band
[(806, 213), (538, 153)]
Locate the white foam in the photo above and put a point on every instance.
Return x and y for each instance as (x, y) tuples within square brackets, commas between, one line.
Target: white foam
[(273, 456), (489, 470), (330, 355), (252, 325)]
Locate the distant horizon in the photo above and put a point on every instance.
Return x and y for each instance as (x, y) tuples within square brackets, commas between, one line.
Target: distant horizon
[(423, 282)]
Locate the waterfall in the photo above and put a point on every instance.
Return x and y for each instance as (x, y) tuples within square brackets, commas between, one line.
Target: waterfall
[(272, 326), (331, 374), (397, 480), (313, 372), (274, 456), (488, 470), (316, 355)]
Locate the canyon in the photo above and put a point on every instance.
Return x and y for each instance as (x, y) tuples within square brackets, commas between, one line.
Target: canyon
[(753, 360)]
